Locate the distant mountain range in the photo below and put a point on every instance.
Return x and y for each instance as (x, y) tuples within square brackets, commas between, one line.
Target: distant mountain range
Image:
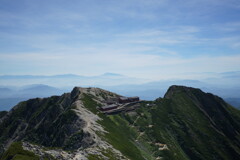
[(148, 91), (13, 95), (220, 80), (69, 80), (14, 88), (36, 90)]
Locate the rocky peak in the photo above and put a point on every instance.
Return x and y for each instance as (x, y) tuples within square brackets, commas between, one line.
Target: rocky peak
[(75, 92), (98, 93)]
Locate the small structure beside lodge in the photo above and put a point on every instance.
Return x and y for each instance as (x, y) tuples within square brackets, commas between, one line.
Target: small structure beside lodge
[(108, 107), (112, 101), (128, 99), (116, 105)]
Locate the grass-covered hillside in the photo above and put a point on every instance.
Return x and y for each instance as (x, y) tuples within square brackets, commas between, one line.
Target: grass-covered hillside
[(195, 125)]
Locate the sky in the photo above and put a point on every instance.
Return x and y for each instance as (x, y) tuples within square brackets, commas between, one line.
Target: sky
[(154, 39)]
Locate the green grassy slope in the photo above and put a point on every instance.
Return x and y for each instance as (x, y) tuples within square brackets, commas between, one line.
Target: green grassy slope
[(195, 125)]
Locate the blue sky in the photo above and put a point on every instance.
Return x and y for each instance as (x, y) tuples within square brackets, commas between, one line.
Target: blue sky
[(157, 39)]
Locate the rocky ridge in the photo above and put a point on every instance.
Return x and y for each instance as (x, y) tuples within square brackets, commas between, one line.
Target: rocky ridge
[(84, 123)]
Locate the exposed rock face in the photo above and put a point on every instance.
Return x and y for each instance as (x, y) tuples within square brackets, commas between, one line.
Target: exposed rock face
[(2, 114), (49, 122)]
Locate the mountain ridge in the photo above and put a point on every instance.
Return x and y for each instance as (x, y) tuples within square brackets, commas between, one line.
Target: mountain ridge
[(185, 124)]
